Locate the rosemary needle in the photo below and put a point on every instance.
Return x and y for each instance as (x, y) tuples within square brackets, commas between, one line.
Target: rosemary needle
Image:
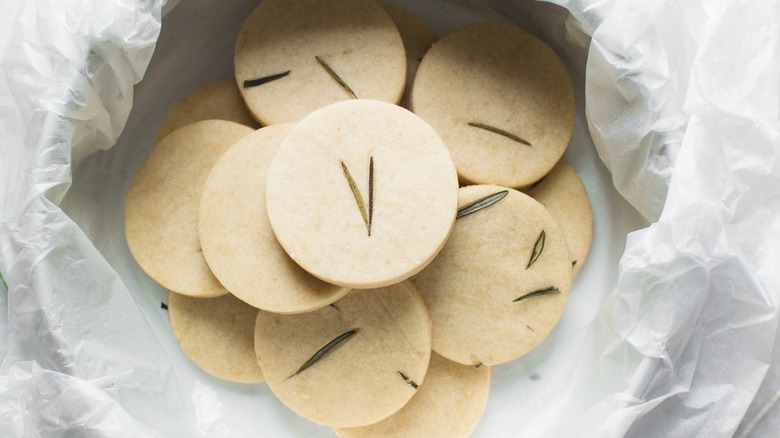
[(356, 193), (481, 203), (537, 251), (499, 131), (408, 380), (335, 76), (260, 81), (536, 293), (324, 350)]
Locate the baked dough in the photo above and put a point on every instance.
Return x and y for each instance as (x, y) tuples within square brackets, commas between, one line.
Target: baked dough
[(417, 37), (161, 209), (565, 197), (449, 404), (382, 333), (355, 38), (498, 76), (217, 334), (494, 257), (218, 100), (237, 239), (315, 212)]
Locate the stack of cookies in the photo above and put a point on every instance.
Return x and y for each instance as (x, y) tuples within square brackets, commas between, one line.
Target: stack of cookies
[(401, 221)]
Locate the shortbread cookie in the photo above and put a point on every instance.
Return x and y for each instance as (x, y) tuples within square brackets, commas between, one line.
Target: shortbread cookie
[(237, 239), (350, 364), (499, 285), (217, 334), (161, 210), (218, 100), (417, 37), (565, 197), (293, 57), (362, 194), (448, 405), (500, 99)]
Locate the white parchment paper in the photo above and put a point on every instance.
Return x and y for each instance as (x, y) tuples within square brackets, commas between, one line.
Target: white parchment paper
[(669, 331)]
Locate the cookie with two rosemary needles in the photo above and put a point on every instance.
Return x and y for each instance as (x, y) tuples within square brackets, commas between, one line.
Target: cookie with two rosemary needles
[(500, 284), (362, 194), (218, 100), (217, 334), (161, 209), (563, 194), (237, 239), (293, 57), (350, 364), (449, 404), (501, 100)]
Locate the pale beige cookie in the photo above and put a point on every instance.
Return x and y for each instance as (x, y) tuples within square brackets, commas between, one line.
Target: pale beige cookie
[(362, 194), (217, 334), (237, 239), (349, 364), (490, 77), (417, 37), (161, 209), (565, 197), (499, 285), (449, 404), (218, 100), (291, 55)]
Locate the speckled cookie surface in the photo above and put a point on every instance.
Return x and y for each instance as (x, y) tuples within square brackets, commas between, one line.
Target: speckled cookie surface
[(218, 100), (417, 37), (361, 344), (161, 209), (356, 39), (401, 174), (500, 284), (217, 334), (449, 404), (565, 197), (497, 76), (237, 239)]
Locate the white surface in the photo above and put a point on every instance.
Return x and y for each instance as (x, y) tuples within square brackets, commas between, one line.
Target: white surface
[(673, 341)]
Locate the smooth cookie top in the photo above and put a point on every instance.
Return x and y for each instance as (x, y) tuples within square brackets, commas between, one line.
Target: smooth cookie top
[(342, 365), (499, 285), (449, 404), (296, 49), (237, 239), (362, 194), (565, 197), (501, 100), (161, 209), (217, 334)]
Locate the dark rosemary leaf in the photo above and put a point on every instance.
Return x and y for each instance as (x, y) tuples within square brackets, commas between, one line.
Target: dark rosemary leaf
[(499, 132), (163, 306), (537, 251), (260, 81), (324, 350), (356, 193), (335, 76), (536, 293), (370, 193), (479, 204), (408, 380)]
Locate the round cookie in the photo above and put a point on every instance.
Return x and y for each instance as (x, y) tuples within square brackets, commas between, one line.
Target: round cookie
[(501, 100), (448, 405), (362, 194), (565, 197), (291, 55), (237, 239), (499, 285), (218, 100), (342, 365), (417, 37), (217, 334), (161, 209)]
